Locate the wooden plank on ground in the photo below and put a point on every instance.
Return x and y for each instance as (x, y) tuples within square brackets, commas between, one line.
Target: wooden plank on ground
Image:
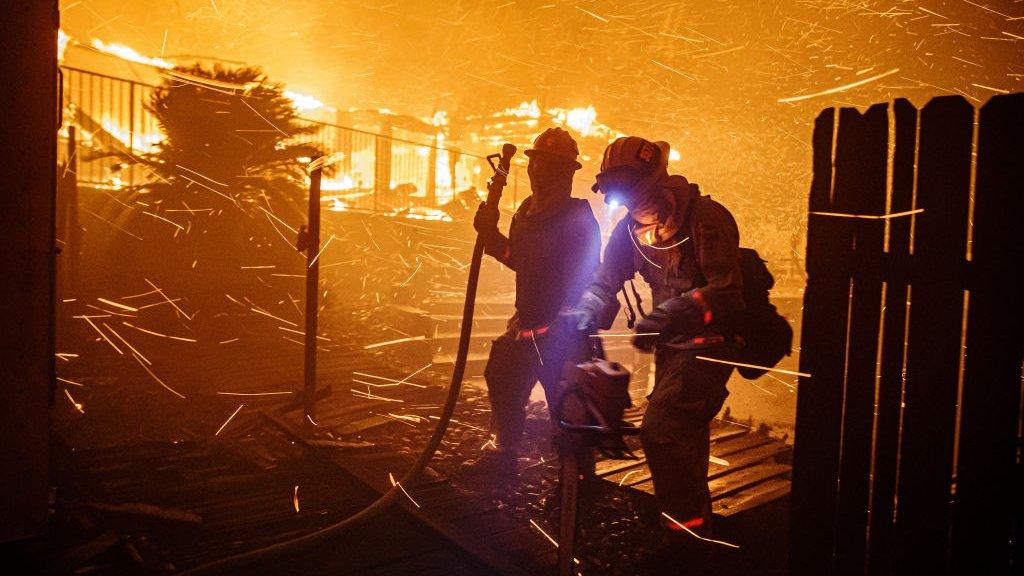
[(606, 468), (989, 473), (732, 483), (936, 316), (362, 425), (68, 561), (637, 472), (144, 510), (492, 552), (720, 433), (750, 457), (758, 495), (640, 479), (729, 484), (725, 448)]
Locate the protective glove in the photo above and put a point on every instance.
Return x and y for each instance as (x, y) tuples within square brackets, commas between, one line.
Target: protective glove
[(679, 317), (649, 332), (581, 320), (592, 313), (485, 222)]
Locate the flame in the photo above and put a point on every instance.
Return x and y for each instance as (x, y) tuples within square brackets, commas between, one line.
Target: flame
[(145, 142), (584, 121), (126, 53), (673, 156), (440, 118), (62, 44), (580, 119), (525, 110), (341, 182), (443, 191), (422, 213), (303, 102)]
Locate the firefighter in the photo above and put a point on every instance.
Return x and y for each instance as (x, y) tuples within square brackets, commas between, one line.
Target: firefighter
[(686, 247), (553, 246)]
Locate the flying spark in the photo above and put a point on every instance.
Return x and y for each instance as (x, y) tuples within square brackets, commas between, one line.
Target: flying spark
[(226, 422)]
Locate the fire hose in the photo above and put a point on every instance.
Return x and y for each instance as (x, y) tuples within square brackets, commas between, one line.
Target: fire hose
[(494, 188)]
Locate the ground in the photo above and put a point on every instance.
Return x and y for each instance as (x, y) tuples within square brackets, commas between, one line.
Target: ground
[(173, 446)]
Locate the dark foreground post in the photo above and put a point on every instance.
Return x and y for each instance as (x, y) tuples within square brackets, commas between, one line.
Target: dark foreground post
[(27, 214), (571, 449), (312, 290)]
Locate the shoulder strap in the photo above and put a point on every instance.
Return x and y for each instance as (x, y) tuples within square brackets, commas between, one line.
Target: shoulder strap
[(689, 222), (690, 219)]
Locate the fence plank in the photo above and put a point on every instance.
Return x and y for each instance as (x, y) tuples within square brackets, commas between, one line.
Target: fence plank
[(944, 168), (991, 396), (819, 401), (382, 193), (861, 163), (890, 385)]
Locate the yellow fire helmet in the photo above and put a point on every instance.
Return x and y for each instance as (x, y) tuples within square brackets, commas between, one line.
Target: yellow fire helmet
[(637, 153), (630, 163), (557, 142)]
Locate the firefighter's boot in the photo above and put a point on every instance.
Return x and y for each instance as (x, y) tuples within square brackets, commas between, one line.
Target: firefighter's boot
[(679, 555), (495, 465)]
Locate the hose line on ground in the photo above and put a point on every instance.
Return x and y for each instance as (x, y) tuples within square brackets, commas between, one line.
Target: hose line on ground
[(301, 543)]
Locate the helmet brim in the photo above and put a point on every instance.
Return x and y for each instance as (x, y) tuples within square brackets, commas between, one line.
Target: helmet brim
[(531, 151)]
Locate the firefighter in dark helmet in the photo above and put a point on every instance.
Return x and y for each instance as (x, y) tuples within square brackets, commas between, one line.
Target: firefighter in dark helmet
[(553, 246), (686, 247)]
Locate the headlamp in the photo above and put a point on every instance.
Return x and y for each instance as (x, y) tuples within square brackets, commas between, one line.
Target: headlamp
[(617, 184)]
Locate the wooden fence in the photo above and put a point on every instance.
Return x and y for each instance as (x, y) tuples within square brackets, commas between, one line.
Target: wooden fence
[(908, 429)]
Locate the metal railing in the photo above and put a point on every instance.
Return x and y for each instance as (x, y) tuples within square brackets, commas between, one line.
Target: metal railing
[(398, 171), (112, 120)]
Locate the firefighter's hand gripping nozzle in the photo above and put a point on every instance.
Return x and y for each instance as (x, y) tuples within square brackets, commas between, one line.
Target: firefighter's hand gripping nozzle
[(500, 177)]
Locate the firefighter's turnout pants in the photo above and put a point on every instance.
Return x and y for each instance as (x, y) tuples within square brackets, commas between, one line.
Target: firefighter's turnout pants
[(518, 359), (676, 435)]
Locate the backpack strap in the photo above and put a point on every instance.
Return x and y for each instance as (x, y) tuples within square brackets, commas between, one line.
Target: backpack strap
[(636, 295), (630, 313), (689, 249)]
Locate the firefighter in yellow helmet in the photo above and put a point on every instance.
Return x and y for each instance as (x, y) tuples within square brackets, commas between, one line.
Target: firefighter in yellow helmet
[(553, 246), (686, 247)]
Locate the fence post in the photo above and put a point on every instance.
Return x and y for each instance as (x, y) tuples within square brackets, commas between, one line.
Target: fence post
[(989, 474), (68, 213), (27, 169), (887, 432), (453, 161), (934, 343), (382, 169), (822, 341), (312, 293), (131, 132), (432, 175), (861, 164)]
